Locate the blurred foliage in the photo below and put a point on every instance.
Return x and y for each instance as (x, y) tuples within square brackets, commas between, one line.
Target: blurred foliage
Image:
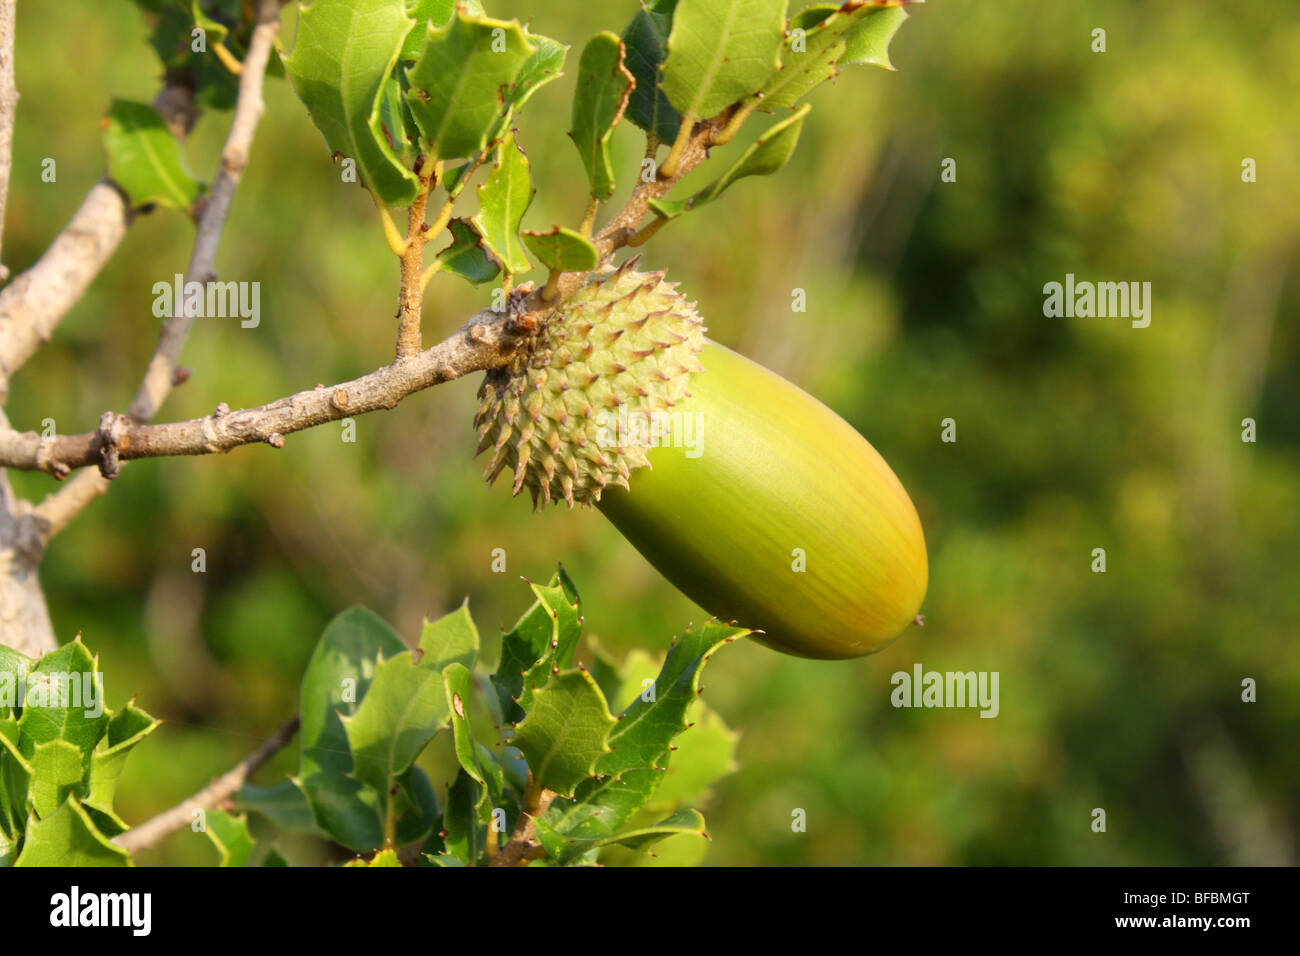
[(1119, 691)]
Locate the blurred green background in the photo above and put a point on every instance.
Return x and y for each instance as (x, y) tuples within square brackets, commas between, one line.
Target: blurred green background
[(1119, 690)]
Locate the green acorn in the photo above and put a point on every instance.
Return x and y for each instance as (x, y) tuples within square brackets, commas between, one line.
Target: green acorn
[(754, 499)]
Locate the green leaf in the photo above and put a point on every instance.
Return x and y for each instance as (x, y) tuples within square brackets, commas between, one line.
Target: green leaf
[(817, 44), (68, 837), (765, 156), (502, 201), (647, 728), (145, 159), (342, 58), (549, 628), (720, 52), (458, 84), (64, 701), (646, 43), (600, 807), (229, 834), (868, 42), (337, 678), (399, 715), (441, 859), (13, 676), (15, 778), (284, 804), (467, 257), (345, 808), (465, 823), (417, 807), (435, 12), (57, 769), (213, 86), (604, 85), (565, 731), (126, 728), (563, 249), (395, 120), (274, 858), (439, 12), (706, 752), (544, 65), (559, 603), (452, 637), (638, 837), (458, 684)]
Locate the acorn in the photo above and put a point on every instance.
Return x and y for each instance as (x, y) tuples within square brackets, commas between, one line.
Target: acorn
[(753, 498)]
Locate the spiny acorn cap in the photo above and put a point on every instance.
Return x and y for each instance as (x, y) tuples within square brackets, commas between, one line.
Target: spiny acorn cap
[(627, 342)]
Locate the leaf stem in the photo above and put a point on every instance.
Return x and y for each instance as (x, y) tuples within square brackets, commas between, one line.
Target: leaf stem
[(429, 273), (737, 120), (645, 234), (589, 217), (227, 59), (395, 240), (668, 168), (390, 817), (552, 281)]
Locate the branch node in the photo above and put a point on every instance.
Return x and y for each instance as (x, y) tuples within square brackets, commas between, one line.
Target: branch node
[(222, 410), (180, 375), (112, 427), (275, 440), (340, 399)]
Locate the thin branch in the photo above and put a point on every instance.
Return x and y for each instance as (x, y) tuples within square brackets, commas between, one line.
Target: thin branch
[(25, 624), (58, 509), (159, 377), (8, 106), (33, 305), (24, 618), (411, 295), (488, 340), (620, 230), (152, 832), (523, 846)]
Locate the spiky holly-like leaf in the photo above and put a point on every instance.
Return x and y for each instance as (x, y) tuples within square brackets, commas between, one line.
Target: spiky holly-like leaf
[(565, 731), (647, 728), (397, 718), (636, 837), (600, 807), (451, 638), (68, 837), (545, 635), (229, 834)]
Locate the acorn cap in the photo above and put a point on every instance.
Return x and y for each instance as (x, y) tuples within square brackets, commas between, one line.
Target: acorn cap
[(566, 414)]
